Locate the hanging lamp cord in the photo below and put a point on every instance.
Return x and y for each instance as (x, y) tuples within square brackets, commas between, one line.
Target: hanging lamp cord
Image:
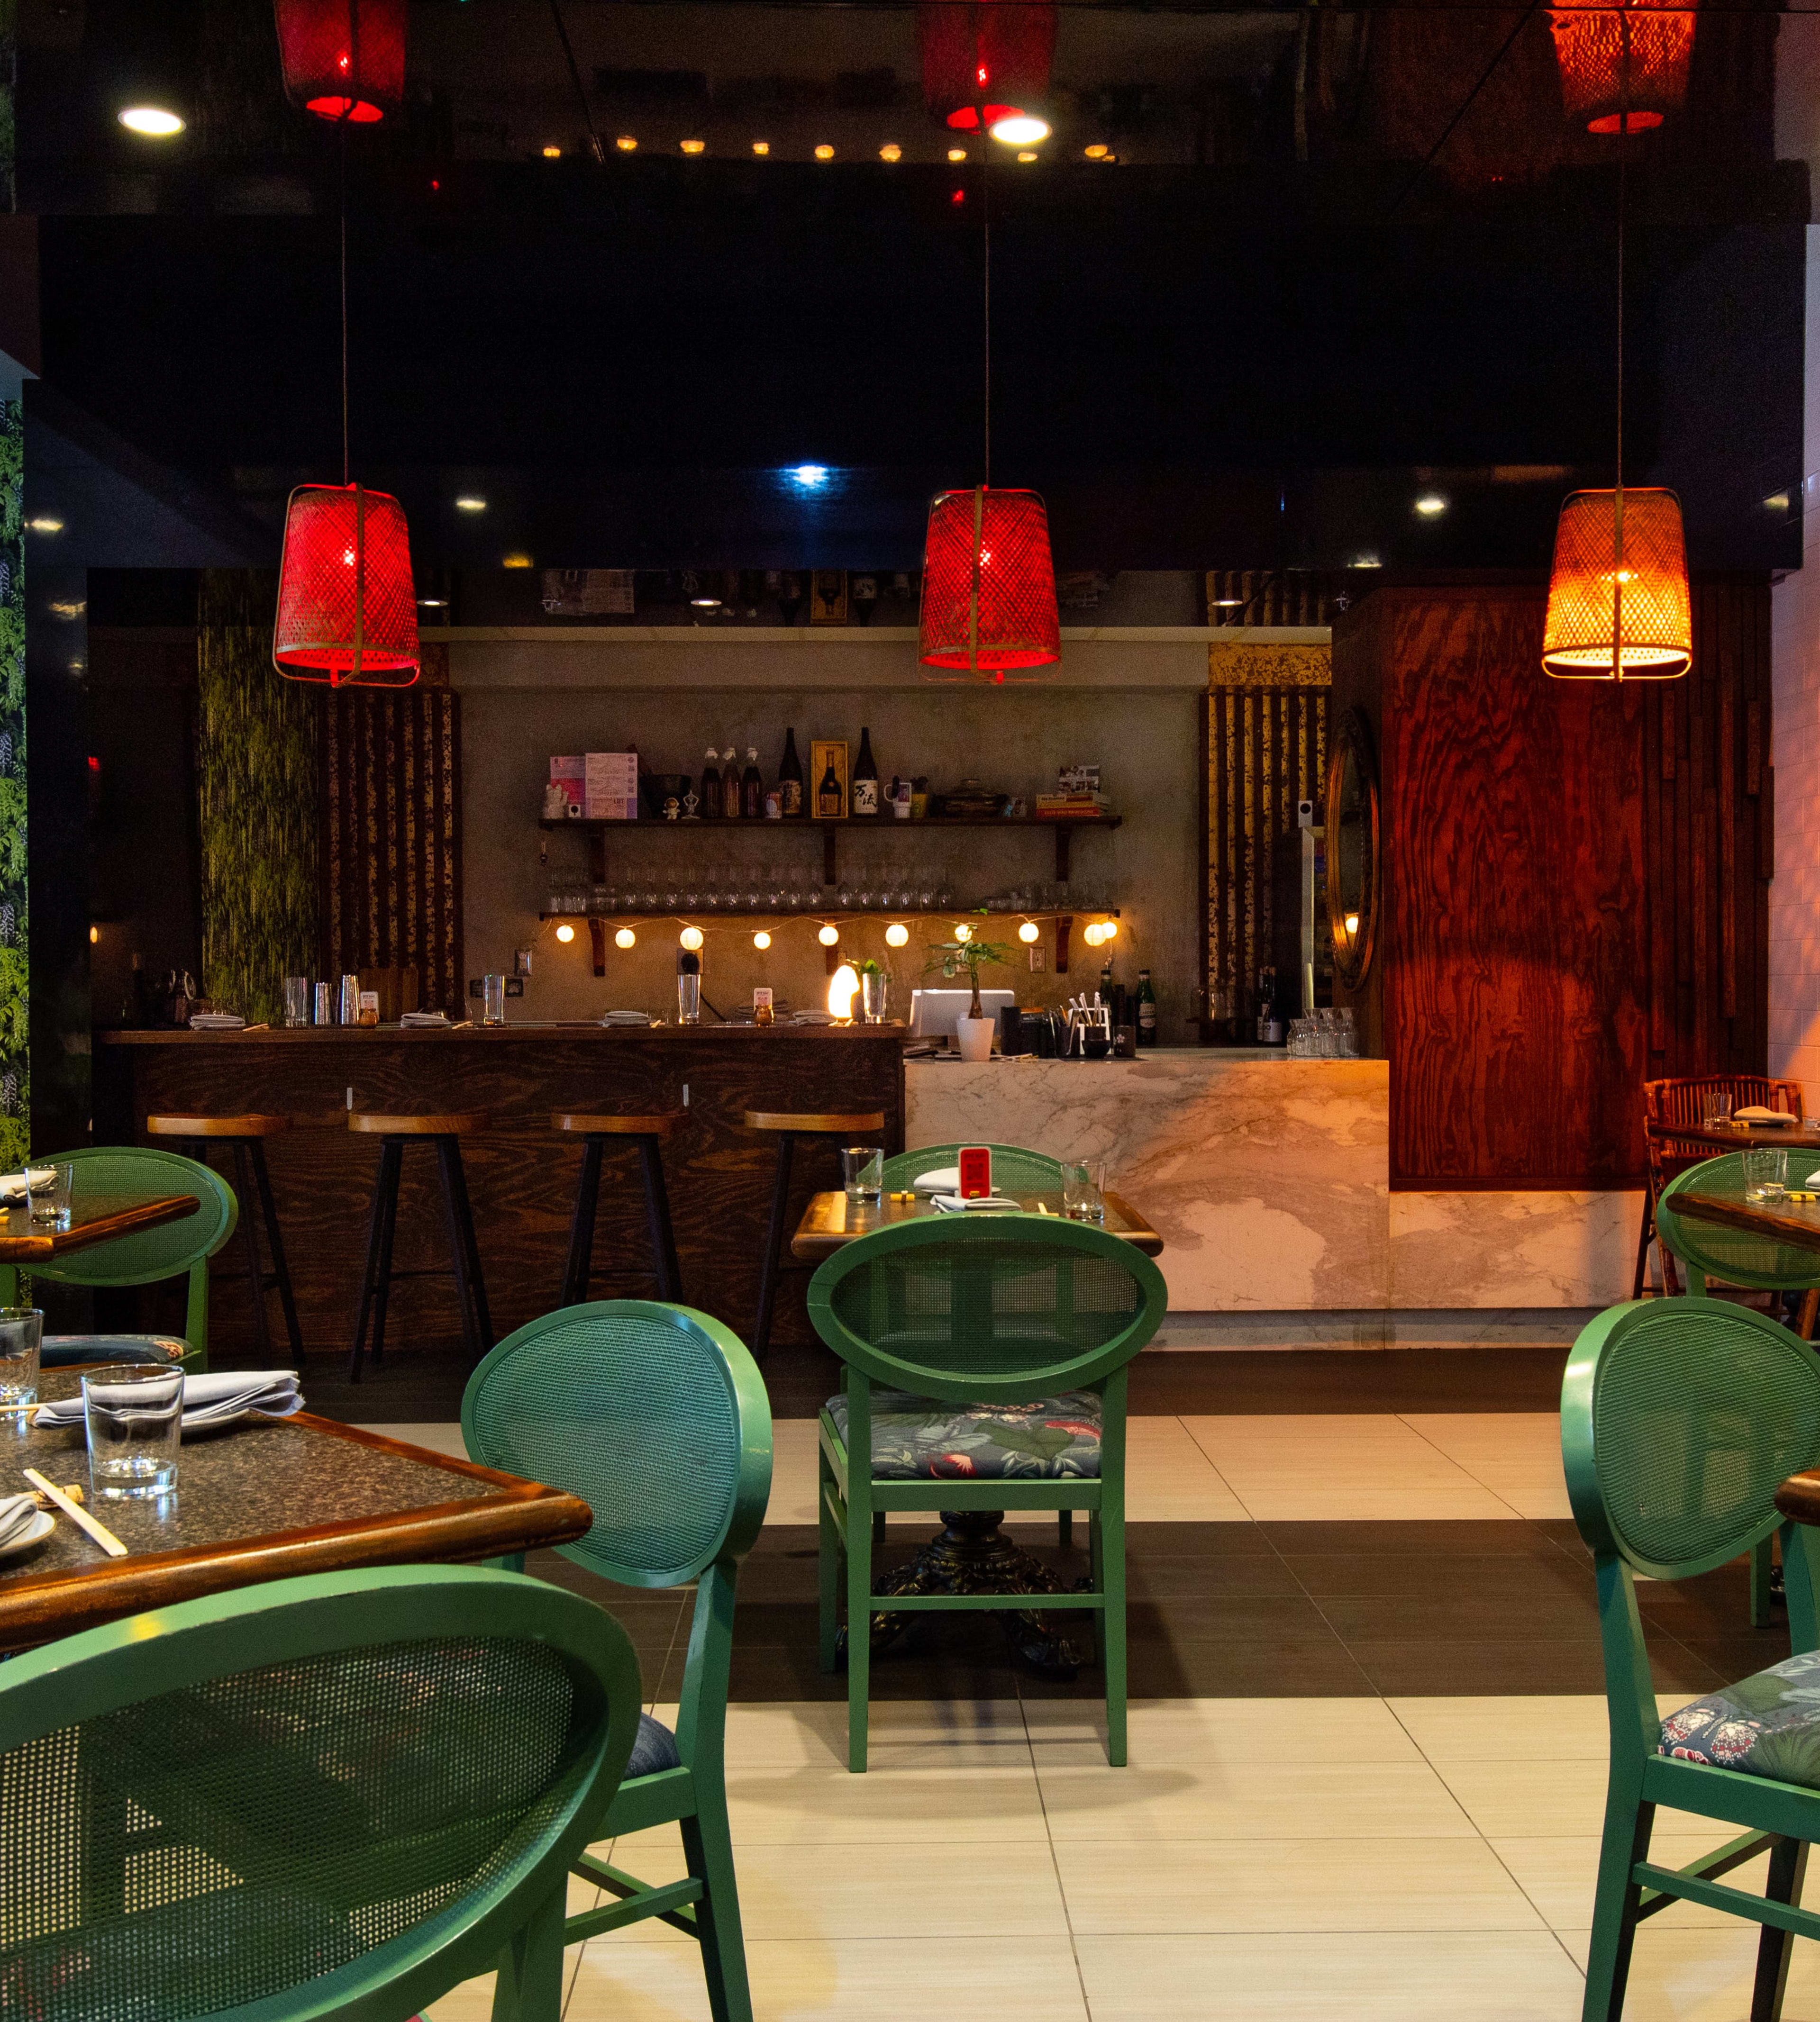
[(1624, 124), (345, 462), (595, 147), (986, 293)]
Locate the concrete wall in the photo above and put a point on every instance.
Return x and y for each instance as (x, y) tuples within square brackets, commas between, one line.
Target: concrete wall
[(1125, 698)]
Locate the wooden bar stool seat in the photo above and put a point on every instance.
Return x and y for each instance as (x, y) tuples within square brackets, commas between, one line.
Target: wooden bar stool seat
[(245, 1135), (445, 1131), (787, 1126), (648, 1133)]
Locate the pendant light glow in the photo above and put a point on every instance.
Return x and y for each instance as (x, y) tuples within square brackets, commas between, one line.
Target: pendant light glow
[(1021, 129), (156, 122), (989, 586), (1618, 603), (344, 60), (347, 608), (1624, 63)]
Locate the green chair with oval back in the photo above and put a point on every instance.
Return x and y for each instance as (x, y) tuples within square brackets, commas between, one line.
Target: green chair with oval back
[(176, 1249), (1679, 1420), (1711, 1254), (657, 1417), (341, 1795), (1014, 1169), (963, 1321)]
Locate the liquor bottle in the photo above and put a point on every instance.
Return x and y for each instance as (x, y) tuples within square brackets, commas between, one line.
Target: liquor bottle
[(1146, 1010), (752, 788), (827, 795), (711, 787), (790, 779), (1105, 982), (865, 778), (730, 783)]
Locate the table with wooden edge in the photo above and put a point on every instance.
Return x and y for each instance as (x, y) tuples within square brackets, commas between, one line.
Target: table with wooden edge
[(263, 1500), (973, 1554), (1737, 1137), (831, 1219), (94, 1218)]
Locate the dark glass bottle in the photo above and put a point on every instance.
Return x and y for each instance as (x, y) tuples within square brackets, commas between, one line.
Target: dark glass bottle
[(711, 787), (827, 795), (751, 787), (865, 778), (1146, 1010), (730, 784), (790, 780)]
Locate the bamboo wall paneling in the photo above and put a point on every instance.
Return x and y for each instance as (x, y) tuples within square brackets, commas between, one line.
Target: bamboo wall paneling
[(15, 924)]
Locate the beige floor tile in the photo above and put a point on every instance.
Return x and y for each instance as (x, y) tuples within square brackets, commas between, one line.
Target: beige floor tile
[(1342, 1468), (1540, 1800), (1430, 1976), (1316, 1884), (1704, 1974), (1086, 1801), (793, 1474), (1529, 1728), (471, 2001), (1185, 1732), (845, 1980), (1559, 1876), (1322, 1503), (812, 1734), (960, 1799)]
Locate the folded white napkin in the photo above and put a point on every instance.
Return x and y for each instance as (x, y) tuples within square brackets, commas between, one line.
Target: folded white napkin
[(1757, 1114), (627, 1018), (943, 1179), (216, 1021), (953, 1204), (423, 1018), (17, 1515), (208, 1399), (13, 1186)]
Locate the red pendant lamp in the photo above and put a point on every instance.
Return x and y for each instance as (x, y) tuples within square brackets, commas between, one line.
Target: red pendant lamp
[(343, 59), (989, 586), (1624, 66), (983, 60), (347, 606)]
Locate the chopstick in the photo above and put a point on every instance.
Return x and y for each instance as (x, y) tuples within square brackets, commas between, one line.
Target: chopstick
[(78, 1516)]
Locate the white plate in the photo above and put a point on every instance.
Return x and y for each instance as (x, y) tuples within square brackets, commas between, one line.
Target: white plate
[(41, 1527)]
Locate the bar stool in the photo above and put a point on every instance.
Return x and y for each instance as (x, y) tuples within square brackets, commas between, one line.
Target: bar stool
[(648, 1133), (787, 1127), (246, 1136), (445, 1133)]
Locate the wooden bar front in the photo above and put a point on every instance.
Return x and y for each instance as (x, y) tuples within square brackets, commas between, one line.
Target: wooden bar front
[(522, 1174)]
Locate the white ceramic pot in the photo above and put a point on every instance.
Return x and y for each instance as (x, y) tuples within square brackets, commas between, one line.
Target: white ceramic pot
[(975, 1035)]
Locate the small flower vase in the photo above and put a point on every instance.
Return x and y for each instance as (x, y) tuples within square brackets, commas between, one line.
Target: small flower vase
[(874, 994)]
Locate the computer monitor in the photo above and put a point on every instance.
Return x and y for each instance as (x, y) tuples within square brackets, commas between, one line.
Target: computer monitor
[(933, 1012)]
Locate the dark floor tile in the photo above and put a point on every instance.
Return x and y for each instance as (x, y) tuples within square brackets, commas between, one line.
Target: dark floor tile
[(1191, 1580), (1517, 1539), (1195, 1541), (1491, 1668), (1466, 1615), (1517, 1576), (780, 1674), (1735, 1657), (1241, 1617)]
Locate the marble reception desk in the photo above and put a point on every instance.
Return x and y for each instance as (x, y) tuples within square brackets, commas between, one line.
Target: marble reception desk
[(1268, 1179)]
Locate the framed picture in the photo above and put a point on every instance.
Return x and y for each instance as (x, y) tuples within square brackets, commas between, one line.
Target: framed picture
[(823, 753), (827, 597)]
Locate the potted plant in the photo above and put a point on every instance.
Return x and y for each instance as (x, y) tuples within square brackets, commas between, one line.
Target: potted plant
[(974, 1031)]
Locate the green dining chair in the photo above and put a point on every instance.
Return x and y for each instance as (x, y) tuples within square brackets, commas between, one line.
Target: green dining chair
[(1711, 1255), (174, 1249), (657, 1417), (341, 1795), (999, 1345), (1014, 1169), (1679, 1420)]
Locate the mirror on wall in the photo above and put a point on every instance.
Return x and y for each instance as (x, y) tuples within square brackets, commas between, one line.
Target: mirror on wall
[(1353, 881)]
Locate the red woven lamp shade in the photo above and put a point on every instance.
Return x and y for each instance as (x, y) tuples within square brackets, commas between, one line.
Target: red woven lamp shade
[(1618, 605), (343, 59), (989, 585), (347, 607), (993, 55), (1624, 63)]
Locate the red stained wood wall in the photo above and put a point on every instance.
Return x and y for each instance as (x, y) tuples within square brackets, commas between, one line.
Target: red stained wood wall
[(1575, 881)]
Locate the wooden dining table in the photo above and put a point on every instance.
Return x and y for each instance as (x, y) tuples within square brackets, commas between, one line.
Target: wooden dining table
[(262, 1500), (1795, 1223), (831, 1220), (93, 1218), (1718, 1137)]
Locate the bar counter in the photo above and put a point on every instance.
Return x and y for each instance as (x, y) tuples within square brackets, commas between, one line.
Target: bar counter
[(522, 1174)]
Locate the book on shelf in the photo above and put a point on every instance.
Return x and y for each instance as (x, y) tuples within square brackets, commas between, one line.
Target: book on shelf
[(1076, 804)]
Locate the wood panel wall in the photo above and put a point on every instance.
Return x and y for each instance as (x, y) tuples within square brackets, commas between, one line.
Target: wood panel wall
[(1574, 880)]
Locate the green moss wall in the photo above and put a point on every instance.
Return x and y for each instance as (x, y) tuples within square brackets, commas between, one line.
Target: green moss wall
[(15, 944)]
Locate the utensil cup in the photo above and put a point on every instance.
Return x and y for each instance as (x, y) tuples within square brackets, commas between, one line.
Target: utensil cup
[(1766, 1175), (50, 1203), (864, 1168), (134, 1418), (21, 1331), (1084, 1190), (1715, 1107)]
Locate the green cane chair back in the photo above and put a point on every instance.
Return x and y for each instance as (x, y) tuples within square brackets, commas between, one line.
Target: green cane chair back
[(1015, 1171), (1735, 1256), (337, 1795), (996, 1307)]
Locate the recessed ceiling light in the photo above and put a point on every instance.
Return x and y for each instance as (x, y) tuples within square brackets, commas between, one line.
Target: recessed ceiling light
[(1778, 502), (1025, 155), (1227, 602), (706, 603), (890, 152), (626, 144), (1021, 129), (761, 147), (552, 154), (1364, 561), (825, 152), (470, 501), (432, 603), (694, 147), (1431, 504), (515, 560), (45, 524), (68, 611), (810, 475), (1098, 152), (156, 122), (957, 154)]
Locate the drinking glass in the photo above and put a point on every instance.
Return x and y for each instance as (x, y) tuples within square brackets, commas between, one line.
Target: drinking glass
[(50, 1201), (1715, 1107), (492, 1000), (297, 1000), (1084, 1190), (134, 1418), (874, 994), (21, 1329), (1766, 1175), (864, 1166)]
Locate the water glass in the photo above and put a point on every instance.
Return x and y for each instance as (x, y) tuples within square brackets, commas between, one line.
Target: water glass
[(875, 995), (492, 1000), (1084, 1190), (134, 1418), (50, 1198), (1766, 1175), (21, 1329), (297, 1000), (1715, 1107), (864, 1166)]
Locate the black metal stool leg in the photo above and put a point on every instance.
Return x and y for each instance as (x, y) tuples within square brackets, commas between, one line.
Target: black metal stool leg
[(275, 1242), (249, 1238), (391, 1167), (773, 1247), (657, 1212), (476, 1323), (375, 1221), (579, 1266)]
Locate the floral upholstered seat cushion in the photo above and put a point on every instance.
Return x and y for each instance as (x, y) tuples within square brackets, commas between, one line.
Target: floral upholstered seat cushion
[(1767, 1724), (917, 1439)]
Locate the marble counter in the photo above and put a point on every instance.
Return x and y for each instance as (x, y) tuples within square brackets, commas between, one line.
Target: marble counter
[(1269, 1179)]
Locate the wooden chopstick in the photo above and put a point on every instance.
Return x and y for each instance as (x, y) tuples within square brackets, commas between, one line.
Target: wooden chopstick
[(78, 1516)]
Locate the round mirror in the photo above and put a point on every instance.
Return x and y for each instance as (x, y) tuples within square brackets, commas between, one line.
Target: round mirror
[(1352, 849)]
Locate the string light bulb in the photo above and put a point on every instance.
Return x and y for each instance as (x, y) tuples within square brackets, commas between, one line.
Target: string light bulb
[(897, 934), (625, 938), (690, 938), (1109, 930), (963, 932), (890, 152), (694, 147), (628, 144), (1029, 931), (825, 152), (566, 932), (957, 154), (761, 147), (553, 154), (1098, 152), (828, 935), (1093, 933), (760, 940)]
